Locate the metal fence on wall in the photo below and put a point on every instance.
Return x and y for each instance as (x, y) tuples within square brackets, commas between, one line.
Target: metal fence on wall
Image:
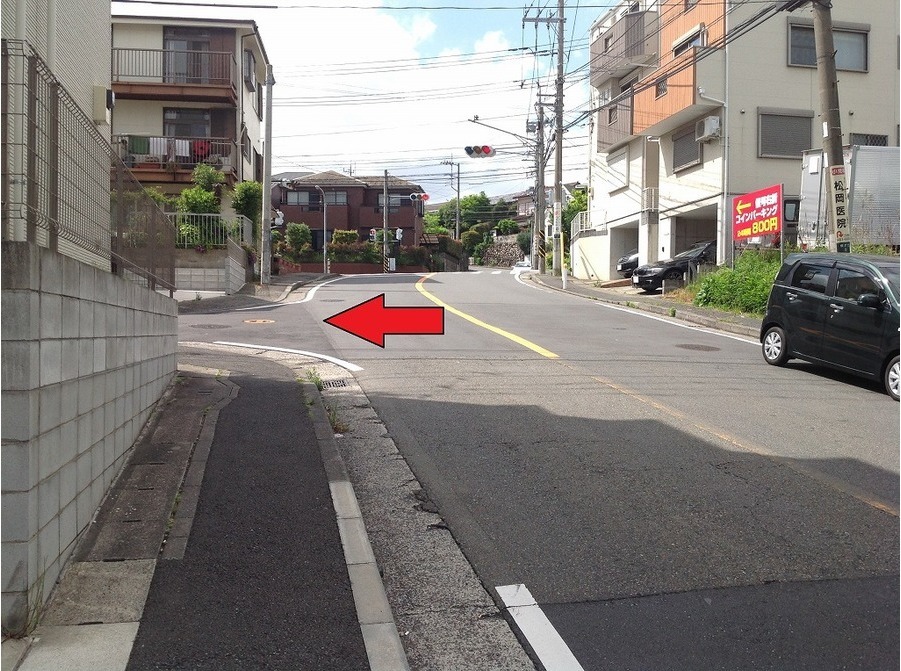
[(64, 187)]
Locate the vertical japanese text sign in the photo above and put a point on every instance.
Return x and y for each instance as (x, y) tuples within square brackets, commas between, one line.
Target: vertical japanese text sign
[(838, 199)]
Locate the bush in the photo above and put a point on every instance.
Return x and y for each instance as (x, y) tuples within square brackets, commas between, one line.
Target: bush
[(247, 199), (524, 241), (198, 200), (450, 246), (746, 288), (357, 252), (470, 239), (207, 177), (413, 256), (345, 237), (298, 235), (507, 227)]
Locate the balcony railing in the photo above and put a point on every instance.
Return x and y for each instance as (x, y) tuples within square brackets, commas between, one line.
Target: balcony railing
[(167, 66), (209, 230), (176, 153), (629, 43)]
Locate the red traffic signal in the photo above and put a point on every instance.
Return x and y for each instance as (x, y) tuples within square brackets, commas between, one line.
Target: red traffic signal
[(479, 151), (419, 196)]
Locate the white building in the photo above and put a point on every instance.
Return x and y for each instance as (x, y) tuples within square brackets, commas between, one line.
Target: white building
[(698, 102)]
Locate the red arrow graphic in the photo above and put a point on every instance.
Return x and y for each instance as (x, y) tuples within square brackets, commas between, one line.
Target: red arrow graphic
[(372, 321)]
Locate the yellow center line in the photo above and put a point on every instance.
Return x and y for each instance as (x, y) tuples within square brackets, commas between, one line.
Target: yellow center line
[(478, 322)]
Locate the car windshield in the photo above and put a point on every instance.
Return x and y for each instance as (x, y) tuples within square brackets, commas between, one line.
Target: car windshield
[(691, 252)]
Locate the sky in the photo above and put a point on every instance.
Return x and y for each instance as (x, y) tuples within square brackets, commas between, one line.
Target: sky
[(364, 86)]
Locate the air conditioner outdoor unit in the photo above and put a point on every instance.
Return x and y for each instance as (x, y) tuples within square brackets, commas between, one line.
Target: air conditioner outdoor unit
[(707, 129)]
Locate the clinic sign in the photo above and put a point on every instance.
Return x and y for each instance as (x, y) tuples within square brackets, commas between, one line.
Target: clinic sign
[(757, 213)]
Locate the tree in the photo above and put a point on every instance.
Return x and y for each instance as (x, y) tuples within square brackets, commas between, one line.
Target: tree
[(298, 235), (474, 209), (507, 227), (247, 199)]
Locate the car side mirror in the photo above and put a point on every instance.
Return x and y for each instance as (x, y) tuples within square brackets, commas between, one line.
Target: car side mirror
[(869, 301)]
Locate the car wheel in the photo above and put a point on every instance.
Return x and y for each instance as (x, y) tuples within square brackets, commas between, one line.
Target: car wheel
[(892, 377), (674, 275), (775, 347)]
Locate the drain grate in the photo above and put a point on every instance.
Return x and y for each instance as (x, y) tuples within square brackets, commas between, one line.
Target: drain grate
[(209, 326), (333, 384)]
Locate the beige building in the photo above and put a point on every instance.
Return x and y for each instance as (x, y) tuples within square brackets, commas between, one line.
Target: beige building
[(698, 102), (188, 91)]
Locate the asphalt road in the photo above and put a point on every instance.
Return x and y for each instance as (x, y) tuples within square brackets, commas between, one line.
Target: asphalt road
[(670, 501)]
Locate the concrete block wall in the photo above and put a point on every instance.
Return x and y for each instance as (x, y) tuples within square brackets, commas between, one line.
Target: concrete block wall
[(85, 356), (202, 279)]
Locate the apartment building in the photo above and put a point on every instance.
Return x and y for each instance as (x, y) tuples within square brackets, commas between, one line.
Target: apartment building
[(350, 204), (698, 102), (188, 91)]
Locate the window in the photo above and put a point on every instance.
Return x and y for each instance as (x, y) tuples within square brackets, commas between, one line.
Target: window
[(608, 41), (660, 88), (869, 139), (250, 70), (852, 283), (297, 198), (811, 277), (618, 170), (698, 39), (185, 122), (185, 56), (245, 144), (850, 47), (612, 115), (394, 201), (784, 133), (259, 101), (686, 150), (689, 4), (336, 197)]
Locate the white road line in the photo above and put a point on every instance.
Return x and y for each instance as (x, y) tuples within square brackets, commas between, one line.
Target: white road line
[(549, 647), (496, 272), (325, 357)]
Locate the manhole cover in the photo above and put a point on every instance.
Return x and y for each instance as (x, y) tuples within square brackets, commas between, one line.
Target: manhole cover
[(333, 384), (209, 326), (700, 348), (259, 321)]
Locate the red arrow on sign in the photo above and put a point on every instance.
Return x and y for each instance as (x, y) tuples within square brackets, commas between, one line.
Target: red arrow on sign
[(372, 321)]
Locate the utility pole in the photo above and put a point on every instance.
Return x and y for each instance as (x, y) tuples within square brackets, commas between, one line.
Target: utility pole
[(385, 225), (324, 231), (452, 164), (266, 214), (538, 259), (839, 229), (558, 155)]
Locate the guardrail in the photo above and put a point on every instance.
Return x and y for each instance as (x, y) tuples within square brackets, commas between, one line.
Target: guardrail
[(209, 231)]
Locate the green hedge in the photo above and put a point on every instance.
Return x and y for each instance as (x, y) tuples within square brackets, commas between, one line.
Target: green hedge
[(744, 289)]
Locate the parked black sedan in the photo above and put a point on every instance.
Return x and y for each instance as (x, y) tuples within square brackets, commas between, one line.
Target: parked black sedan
[(650, 276), (626, 264)]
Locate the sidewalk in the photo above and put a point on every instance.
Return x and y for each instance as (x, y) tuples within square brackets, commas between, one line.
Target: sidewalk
[(217, 546), (657, 303)]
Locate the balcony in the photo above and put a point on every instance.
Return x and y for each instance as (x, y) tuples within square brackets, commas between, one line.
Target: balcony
[(661, 109), (154, 158), (629, 43), (614, 125), (164, 74)]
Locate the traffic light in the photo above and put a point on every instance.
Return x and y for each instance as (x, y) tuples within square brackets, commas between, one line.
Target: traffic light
[(479, 151), (419, 196)]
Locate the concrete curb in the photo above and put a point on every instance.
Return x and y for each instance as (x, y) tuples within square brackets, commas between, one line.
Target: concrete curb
[(380, 635)]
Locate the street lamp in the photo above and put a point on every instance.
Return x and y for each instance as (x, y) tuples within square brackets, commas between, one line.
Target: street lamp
[(324, 232)]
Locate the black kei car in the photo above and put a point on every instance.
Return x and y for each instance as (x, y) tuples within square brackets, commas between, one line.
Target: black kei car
[(651, 275), (838, 310)]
